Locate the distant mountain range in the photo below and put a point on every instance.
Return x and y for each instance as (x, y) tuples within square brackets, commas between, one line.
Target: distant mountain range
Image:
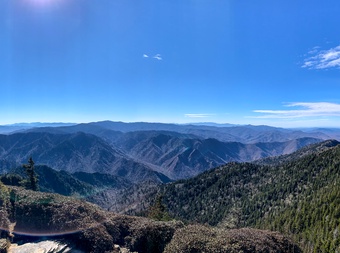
[(147, 151), (8, 129), (222, 132)]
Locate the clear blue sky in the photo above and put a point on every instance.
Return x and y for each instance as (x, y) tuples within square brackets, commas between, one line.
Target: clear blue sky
[(227, 61)]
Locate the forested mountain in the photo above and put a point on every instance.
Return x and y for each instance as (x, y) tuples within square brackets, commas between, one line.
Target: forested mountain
[(309, 149), (183, 156), (299, 197), (79, 184), (138, 156), (78, 152)]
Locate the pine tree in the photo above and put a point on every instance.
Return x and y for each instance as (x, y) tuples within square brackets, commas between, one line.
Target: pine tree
[(32, 178), (158, 210)]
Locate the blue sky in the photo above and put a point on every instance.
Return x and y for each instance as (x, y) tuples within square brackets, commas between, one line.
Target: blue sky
[(226, 61)]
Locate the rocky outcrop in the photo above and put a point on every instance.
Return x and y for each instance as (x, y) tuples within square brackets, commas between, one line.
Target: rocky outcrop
[(42, 247), (86, 225), (210, 240), (91, 229)]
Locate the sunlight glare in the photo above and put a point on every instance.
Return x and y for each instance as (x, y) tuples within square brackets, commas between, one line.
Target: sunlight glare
[(42, 3)]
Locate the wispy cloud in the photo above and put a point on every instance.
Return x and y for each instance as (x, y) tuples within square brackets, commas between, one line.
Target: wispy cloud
[(158, 57), (198, 115), (318, 109), (322, 59)]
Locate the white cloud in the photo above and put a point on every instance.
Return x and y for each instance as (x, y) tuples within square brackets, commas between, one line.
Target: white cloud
[(314, 50), (158, 57), (323, 59), (198, 115), (318, 109)]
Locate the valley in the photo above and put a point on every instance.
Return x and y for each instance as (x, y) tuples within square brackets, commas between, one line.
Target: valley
[(148, 151)]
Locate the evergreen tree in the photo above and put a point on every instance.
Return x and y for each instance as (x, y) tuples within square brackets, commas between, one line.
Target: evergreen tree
[(158, 210), (32, 183)]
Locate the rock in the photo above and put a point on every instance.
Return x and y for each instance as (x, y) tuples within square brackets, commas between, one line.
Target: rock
[(141, 234), (42, 247), (119, 249), (94, 230), (3, 245), (90, 228), (198, 238)]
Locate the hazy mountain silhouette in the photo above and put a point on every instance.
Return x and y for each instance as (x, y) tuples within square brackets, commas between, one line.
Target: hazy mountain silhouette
[(109, 130)]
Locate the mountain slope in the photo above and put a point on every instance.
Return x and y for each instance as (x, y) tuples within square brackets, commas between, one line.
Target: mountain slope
[(78, 184), (299, 198), (137, 156), (183, 156), (309, 149), (72, 153)]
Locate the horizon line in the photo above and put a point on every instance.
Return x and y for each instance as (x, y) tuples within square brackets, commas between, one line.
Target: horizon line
[(209, 123)]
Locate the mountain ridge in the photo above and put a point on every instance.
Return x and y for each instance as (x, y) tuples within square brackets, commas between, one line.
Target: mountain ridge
[(71, 152), (138, 156), (238, 133)]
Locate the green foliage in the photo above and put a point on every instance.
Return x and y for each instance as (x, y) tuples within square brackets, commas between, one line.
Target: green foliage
[(4, 195), (32, 182), (313, 216), (12, 179), (214, 195), (4, 210), (314, 221), (299, 197), (158, 210)]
